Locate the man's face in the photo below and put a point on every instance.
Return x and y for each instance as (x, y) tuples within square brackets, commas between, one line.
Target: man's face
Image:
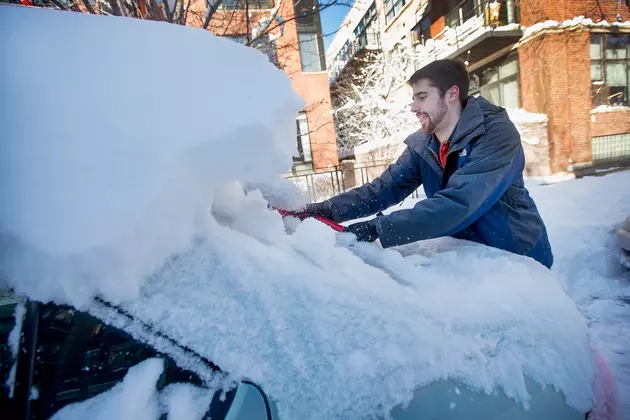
[(428, 105)]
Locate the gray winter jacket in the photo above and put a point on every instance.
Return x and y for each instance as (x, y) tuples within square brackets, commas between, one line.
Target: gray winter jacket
[(479, 195)]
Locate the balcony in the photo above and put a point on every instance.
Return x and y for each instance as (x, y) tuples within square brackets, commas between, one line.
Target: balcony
[(474, 29), (369, 40)]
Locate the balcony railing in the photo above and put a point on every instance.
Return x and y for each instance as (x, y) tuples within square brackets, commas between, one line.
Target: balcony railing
[(493, 12), (368, 40), (468, 21)]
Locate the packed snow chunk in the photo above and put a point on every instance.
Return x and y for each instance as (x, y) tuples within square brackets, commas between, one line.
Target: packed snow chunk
[(185, 401), (14, 335), (94, 202), (247, 213), (135, 398), (316, 242), (14, 345)]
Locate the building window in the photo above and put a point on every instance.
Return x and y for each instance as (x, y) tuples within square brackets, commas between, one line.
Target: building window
[(498, 84), (610, 69), (421, 33), (367, 32), (459, 12), (250, 4), (311, 52), (303, 140), (392, 8)]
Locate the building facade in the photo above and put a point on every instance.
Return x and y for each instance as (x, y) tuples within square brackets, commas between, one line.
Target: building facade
[(562, 69)]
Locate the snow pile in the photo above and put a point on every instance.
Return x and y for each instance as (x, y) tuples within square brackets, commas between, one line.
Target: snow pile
[(136, 398), (14, 344), (575, 23), (162, 183), (610, 108), (298, 313), (521, 116), (117, 172), (582, 217)]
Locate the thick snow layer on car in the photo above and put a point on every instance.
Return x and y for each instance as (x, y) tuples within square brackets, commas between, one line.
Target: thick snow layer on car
[(148, 201), (116, 172)]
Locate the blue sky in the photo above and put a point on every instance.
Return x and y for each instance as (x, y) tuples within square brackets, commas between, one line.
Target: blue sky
[(332, 18)]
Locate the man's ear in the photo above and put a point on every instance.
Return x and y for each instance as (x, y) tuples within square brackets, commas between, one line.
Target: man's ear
[(453, 93)]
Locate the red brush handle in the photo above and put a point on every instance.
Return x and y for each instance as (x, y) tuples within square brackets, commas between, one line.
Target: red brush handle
[(335, 226)]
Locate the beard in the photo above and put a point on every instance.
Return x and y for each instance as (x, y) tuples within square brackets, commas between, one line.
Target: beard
[(433, 120)]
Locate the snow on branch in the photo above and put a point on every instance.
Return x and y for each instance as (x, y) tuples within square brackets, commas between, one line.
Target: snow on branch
[(372, 104), (579, 22), (263, 24)]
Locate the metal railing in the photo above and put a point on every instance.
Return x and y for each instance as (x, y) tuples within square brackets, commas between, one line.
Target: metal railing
[(322, 185), (369, 39), (494, 12), (466, 22)]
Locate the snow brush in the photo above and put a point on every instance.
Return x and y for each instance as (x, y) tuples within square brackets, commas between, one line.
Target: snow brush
[(334, 226)]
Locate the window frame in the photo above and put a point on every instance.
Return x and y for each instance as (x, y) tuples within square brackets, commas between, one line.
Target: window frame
[(321, 59), (500, 81), (420, 35), (251, 4), (303, 156), (368, 25), (599, 83), (396, 7)]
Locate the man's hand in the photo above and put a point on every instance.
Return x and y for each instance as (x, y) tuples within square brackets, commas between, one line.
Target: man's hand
[(364, 231), (322, 209)]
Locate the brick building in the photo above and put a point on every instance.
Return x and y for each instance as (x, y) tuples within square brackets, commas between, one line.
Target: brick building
[(562, 68), (293, 41)]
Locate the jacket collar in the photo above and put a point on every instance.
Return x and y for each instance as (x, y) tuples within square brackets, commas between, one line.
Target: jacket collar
[(470, 125)]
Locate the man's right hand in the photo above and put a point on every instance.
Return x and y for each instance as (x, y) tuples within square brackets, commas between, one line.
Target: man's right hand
[(322, 209)]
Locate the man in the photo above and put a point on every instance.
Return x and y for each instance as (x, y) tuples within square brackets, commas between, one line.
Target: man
[(469, 158)]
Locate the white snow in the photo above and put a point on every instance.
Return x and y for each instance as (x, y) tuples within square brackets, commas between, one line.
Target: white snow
[(583, 217), (576, 22), (111, 179), (152, 203), (135, 398), (610, 108), (14, 335), (185, 401), (14, 344), (520, 115)]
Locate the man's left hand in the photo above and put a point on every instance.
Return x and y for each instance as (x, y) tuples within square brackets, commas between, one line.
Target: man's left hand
[(364, 231)]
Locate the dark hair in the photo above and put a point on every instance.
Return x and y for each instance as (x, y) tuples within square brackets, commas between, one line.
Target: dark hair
[(444, 74)]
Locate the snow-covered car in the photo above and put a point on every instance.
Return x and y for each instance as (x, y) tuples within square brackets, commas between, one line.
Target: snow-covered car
[(623, 240), (150, 233), (65, 356)]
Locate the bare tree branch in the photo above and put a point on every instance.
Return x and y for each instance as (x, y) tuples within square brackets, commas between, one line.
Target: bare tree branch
[(88, 6), (167, 10), (58, 5), (121, 9)]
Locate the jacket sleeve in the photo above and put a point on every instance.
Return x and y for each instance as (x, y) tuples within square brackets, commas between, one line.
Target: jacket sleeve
[(398, 181), (495, 162)]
